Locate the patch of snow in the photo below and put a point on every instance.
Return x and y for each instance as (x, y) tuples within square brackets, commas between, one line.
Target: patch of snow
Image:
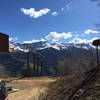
[(77, 46), (56, 47), (85, 48)]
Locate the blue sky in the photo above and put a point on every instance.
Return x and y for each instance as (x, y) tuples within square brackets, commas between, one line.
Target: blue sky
[(51, 20)]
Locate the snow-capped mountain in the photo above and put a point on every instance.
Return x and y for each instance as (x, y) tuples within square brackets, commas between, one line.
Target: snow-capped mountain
[(44, 45), (76, 56)]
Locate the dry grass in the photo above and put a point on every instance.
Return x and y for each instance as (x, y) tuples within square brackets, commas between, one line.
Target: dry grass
[(63, 88)]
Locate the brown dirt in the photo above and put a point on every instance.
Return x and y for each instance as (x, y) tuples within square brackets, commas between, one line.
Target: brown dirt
[(29, 88), (63, 88)]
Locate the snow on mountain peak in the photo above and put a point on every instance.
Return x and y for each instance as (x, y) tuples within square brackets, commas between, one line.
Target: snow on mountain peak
[(44, 44)]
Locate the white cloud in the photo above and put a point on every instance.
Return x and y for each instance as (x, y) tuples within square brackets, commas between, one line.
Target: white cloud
[(13, 39), (79, 40), (54, 36), (91, 31), (32, 41), (54, 13), (35, 14)]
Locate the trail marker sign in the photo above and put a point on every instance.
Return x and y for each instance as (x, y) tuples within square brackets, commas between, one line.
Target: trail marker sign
[(96, 42)]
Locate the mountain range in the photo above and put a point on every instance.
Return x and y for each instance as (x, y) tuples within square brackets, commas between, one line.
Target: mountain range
[(40, 45), (58, 56)]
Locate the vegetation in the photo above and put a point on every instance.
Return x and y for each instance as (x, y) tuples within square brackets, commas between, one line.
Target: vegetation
[(64, 87)]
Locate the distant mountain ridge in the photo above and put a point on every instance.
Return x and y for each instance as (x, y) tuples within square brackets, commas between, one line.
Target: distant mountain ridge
[(44, 45), (75, 56)]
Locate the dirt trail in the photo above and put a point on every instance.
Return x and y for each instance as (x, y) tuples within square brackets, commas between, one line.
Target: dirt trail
[(30, 89), (27, 94)]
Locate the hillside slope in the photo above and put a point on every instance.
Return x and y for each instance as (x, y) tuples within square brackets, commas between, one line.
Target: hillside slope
[(75, 88), (9, 65)]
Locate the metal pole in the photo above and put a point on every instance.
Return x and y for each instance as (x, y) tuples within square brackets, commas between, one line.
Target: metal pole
[(97, 56)]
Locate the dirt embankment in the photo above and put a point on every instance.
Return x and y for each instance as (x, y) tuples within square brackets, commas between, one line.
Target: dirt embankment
[(29, 88), (81, 86)]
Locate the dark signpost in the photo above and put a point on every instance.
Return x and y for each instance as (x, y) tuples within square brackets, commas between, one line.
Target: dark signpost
[(97, 43), (4, 42)]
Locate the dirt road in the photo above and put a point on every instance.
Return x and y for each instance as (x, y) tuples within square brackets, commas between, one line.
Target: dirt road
[(29, 88)]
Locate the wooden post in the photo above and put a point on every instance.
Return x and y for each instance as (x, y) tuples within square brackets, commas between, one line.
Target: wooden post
[(97, 55)]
